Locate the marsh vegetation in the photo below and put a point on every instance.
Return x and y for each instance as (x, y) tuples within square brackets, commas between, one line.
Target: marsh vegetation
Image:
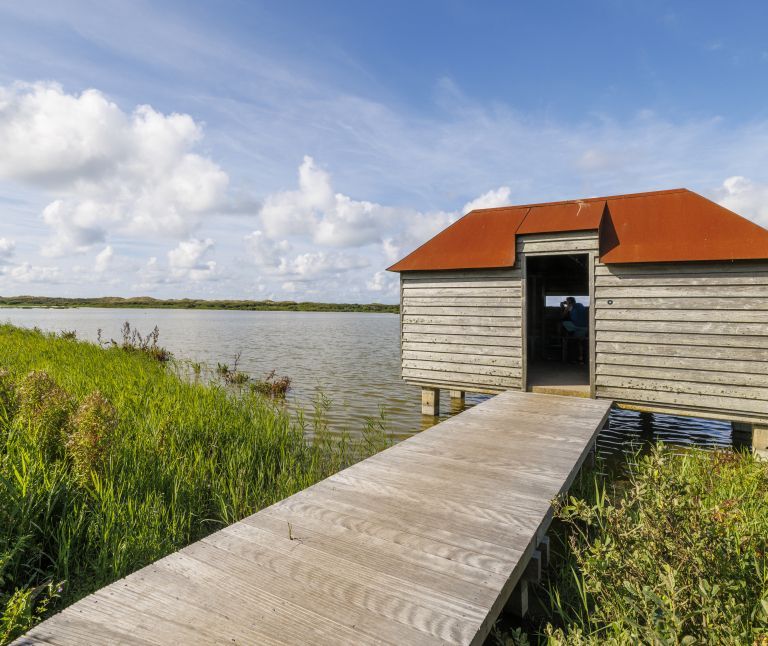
[(672, 550), (110, 459)]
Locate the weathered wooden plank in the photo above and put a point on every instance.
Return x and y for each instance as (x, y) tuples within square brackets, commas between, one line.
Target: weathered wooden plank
[(458, 384), (703, 314), (704, 362), (460, 378), (686, 280), (463, 368), (472, 330), (458, 310), (413, 290), (691, 291), (466, 284), (684, 327), (724, 302), (728, 405), (529, 247), (469, 300), (746, 268), (667, 351), (711, 374), (465, 274), (462, 348), (757, 397), (669, 338), (489, 321), (556, 236), (457, 358), (461, 338)]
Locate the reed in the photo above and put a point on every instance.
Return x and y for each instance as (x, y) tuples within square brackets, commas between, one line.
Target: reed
[(109, 460)]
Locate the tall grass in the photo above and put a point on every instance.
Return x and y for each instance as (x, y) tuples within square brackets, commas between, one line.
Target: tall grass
[(109, 460), (675, 552)]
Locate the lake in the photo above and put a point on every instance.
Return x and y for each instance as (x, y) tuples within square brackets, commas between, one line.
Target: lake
[(353, 359)]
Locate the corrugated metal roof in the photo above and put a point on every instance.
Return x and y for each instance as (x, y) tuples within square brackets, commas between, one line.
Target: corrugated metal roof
[(661, 226)]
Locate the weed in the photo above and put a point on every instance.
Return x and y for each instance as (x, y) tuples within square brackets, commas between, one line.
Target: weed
[(272, 386)]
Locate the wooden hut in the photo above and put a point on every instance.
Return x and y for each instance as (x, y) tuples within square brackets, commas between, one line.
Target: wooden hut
[(676, 287)]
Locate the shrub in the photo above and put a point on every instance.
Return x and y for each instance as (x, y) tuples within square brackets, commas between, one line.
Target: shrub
[(675, 553)]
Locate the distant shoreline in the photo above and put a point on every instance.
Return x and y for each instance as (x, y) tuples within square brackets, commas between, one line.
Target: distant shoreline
[(146, 302)]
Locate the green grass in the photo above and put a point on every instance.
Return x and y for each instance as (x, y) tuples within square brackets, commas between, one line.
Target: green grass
[(195, 304), (674, 553), (109, 460)]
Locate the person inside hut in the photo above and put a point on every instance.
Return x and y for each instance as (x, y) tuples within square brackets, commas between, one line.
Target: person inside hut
[(575, 321)]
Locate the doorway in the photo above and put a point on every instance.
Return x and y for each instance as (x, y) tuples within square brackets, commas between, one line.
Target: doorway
[(557, 355)]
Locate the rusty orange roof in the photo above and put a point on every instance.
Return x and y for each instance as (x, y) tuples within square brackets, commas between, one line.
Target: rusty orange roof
[(481, 239), (662, 226)]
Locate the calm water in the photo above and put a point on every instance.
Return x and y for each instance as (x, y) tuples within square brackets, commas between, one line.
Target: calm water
[(353, 359)]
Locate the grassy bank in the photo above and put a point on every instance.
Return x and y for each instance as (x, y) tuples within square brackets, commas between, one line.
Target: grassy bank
[(195, 304), (674, 553), (109, 461)]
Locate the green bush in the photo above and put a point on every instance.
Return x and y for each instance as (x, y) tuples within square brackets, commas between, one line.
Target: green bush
[(676, 553)]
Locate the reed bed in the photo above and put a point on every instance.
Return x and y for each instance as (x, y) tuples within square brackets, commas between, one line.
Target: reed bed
[(109, 460)]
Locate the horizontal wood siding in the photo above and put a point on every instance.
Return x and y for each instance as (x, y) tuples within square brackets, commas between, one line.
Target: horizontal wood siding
[(462, 329), (691, 336), (557, 243)]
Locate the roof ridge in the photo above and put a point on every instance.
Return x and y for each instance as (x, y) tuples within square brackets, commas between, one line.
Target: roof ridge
[(586, 199)]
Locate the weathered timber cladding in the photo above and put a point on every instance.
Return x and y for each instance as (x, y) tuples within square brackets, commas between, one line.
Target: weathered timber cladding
[(557, 243), (691, 335), (463, 328)]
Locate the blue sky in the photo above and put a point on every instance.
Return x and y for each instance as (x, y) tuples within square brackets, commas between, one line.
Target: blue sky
[(295, 149)]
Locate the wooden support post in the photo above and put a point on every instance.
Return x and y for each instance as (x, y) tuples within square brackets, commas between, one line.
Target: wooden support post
[(430, 401), (518, 600), (532, 571), (457, 396), (741, 431), (543, 549), (760, 441)]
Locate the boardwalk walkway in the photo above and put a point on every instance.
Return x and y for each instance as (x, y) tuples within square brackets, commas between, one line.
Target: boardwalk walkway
[(420, 544)]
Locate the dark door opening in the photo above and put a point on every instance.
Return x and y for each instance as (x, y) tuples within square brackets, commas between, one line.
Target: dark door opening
[(557, 354)]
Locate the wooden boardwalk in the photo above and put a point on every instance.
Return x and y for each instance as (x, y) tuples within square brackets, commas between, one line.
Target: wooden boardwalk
[(420, 544)]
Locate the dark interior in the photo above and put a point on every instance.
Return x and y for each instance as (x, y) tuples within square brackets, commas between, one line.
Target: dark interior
[(554, 354)]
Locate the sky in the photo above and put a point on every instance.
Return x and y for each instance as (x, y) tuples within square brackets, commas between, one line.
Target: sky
[(295, 149)]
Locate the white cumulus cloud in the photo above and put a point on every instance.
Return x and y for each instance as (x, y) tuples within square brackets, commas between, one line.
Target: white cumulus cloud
[(329, 218), (108, 170), (746, 198), (489, 200), (187, 260)]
